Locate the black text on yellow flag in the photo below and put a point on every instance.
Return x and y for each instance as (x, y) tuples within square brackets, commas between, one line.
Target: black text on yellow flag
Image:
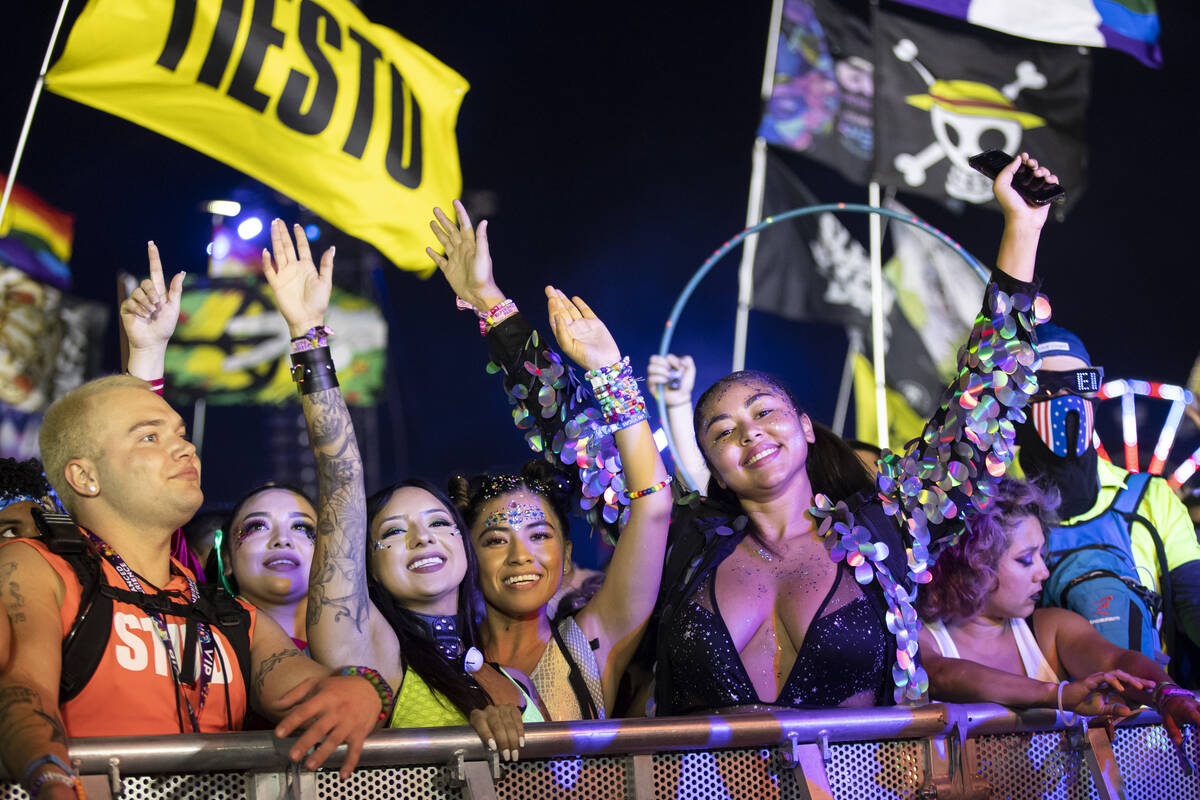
[(310, 97)]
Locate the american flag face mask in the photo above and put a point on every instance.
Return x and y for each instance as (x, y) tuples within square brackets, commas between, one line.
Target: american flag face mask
[(1054, 423)]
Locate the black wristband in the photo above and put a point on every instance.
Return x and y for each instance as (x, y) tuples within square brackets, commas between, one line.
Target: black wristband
[(313, 371)]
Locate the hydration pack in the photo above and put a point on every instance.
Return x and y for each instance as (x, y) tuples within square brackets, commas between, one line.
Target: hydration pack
[(1093, 573), (85, 643)]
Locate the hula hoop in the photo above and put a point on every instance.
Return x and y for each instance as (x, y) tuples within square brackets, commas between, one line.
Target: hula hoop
[(664, 346)]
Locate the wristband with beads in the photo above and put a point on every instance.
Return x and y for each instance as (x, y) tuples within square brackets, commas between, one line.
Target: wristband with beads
[(386, 696)]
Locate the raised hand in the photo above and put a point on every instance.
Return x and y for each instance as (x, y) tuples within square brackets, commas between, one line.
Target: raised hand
[(301, 290), (1015, 209), (151, 311), (467, 264), (580, 333), (663, 370)]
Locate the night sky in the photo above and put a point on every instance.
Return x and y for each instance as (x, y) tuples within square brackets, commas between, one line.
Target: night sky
[(612, 143)]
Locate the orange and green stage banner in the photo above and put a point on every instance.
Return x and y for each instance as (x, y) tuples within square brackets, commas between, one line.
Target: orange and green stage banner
[(308, 96)]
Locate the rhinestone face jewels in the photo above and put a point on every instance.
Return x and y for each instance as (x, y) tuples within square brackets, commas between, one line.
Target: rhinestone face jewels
[(514, 515)]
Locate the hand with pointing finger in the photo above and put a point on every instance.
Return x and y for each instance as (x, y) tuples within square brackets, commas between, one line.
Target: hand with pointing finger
[(149, 316)]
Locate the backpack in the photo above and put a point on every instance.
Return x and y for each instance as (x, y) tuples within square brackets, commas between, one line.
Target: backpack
[(84, 644), (1093, 573)]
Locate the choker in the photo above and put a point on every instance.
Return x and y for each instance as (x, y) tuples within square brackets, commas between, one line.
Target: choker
[(443, 630)]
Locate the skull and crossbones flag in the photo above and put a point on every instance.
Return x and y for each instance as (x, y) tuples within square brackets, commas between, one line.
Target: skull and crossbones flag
[(946, 90)]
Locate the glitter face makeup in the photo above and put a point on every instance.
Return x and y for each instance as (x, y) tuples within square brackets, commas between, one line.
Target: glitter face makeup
[(515, 515)]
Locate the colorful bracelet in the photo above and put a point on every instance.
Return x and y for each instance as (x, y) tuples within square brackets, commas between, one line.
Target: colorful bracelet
[(67, 776), (56, 777), (313, 370), (313, 338), (617, 392), (386, 696), (657, 487), (494, 316), (1166, 689)]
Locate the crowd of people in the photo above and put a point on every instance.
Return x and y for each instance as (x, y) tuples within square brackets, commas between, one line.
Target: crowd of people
[(804, 574)]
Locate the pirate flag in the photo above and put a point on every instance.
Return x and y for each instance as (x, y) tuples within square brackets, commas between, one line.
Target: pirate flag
[(947, 90), (812, 268)]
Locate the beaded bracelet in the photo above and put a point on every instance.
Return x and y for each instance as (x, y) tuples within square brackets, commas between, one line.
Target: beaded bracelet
[(617, 393), (56, 777), (494, 316), (386, 696), (657, 487), (67, 775), (313, 370), (313, 338)]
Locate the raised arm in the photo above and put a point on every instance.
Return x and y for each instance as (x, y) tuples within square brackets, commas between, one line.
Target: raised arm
[(968, 444), (675, 377), (618, 613), (148, 317), (30, 727), (341, 618)]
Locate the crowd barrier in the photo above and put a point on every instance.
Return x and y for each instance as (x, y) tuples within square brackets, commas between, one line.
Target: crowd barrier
[(938, 750)]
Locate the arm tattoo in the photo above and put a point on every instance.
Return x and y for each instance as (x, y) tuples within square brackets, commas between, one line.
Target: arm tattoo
[(268, 666), (338, 581), (18, 701), (12, 597)]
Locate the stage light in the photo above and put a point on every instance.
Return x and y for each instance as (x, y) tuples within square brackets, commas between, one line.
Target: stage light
[(249, 228), (312, 232), (221, 246), (208, 249), (226, 208)]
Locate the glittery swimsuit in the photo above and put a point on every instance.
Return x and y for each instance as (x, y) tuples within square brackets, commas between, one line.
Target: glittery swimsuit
[(843, 654)]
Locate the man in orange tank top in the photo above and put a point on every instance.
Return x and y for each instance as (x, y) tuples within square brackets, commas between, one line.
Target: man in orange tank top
[(119, 458)]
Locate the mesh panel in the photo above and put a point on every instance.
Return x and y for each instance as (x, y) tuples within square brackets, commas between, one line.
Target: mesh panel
[(871, 770), (375, 784), (721, 774), (1150, 766), (602, 777), (1023, 765)]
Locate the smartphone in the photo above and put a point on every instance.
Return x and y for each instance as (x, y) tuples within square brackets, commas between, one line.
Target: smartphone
[(1035, 191)]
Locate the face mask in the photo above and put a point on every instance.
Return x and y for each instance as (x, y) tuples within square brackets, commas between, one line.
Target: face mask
[(1064, 424)]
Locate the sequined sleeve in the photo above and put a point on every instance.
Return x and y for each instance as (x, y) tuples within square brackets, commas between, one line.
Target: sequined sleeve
[(954, 467), (950, 471), (557, 412)]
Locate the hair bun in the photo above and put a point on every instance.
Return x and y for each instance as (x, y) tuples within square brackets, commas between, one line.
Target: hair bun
[(458, 488)]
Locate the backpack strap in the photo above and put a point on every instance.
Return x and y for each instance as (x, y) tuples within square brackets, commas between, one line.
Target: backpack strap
[(233, 620), (587, 707), (1130, 496)]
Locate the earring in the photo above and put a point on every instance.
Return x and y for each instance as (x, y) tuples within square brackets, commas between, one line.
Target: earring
[(92, 489)]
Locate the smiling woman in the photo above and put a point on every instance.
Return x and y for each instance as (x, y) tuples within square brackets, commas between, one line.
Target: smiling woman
[(264, 551)]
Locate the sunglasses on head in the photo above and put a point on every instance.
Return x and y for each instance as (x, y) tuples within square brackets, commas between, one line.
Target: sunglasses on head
[(1077, 381)]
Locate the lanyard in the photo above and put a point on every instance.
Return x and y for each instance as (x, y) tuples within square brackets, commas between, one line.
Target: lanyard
[(207, 645)]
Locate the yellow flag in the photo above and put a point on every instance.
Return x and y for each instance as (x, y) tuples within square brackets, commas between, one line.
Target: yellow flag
[(344, 116), (903, 422)]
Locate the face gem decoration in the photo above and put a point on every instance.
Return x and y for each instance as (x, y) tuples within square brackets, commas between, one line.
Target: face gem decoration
[(515, 515)]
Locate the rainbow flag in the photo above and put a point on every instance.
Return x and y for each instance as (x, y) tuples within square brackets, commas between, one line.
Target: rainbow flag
[(36, 222), (1127, 25)]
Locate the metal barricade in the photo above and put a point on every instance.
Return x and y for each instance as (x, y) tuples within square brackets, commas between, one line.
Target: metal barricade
[(936, 750)]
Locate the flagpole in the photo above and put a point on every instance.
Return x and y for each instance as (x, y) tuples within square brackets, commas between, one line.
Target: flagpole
[(758, 179), (853, 348), (37, 93), (877, 346)]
